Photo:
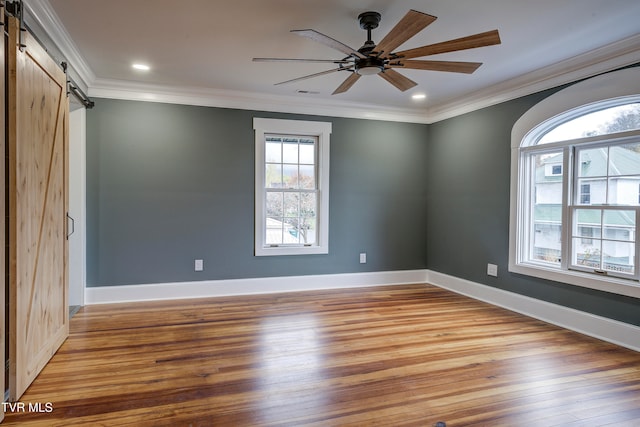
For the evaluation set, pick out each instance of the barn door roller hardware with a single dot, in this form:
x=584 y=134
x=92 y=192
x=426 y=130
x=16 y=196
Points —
x=16 y=9
x=73 y=89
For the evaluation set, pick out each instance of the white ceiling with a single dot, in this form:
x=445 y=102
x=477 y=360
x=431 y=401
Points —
x=204 y=48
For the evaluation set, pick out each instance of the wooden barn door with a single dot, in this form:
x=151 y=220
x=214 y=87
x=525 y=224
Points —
x=38 y=113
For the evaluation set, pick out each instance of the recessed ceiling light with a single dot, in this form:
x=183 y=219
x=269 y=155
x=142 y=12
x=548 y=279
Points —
x=141 y=67
x=419 y=96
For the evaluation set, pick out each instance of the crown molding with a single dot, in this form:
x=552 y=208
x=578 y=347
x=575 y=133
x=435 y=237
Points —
x=135 y=91
x=604 y=59
x=43 y=14
x=607 y=58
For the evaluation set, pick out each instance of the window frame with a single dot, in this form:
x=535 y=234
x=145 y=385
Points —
x=298 y=128
x=609 y=89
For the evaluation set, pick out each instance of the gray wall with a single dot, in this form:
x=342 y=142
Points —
x=170 y=183
x=468 y=179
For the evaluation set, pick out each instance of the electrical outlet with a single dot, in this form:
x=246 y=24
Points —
x=492 y=270
x=363 y=258
x=199 y=265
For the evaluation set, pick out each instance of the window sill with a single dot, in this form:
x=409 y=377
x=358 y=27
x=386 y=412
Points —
x=613 y=285
x=291 y=250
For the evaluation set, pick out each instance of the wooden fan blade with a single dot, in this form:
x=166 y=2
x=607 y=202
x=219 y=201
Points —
x=322 y=73
x=328 y=41
x=330 y=61
x=412 y=23
x=470 y=42
x=346 y=85
x=448 y=66
x=398 y=80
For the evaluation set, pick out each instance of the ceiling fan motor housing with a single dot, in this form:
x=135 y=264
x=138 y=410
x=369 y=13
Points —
x=369 y=66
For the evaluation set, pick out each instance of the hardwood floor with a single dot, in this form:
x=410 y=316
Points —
x=389 y=356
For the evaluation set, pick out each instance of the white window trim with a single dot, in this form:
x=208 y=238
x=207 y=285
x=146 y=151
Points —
x=614 y=86
x=321 y=130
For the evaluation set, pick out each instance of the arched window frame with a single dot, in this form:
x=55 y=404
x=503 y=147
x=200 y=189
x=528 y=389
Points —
x=611 y=89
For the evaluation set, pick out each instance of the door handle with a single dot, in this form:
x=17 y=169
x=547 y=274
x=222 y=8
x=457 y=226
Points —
x=73 y=225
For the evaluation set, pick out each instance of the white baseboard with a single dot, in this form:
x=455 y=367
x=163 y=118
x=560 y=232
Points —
x=619 y=333
x=609 y=330
x=264 y=285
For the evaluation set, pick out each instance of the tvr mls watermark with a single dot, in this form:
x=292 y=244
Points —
x=40 y=407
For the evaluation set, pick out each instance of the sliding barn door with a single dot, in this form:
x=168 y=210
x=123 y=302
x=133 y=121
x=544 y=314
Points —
x=38 y=112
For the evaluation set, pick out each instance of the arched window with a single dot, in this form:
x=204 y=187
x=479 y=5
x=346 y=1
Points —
x=575 y=201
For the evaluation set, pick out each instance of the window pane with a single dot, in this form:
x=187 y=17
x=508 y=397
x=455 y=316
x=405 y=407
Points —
x=274 y=229
x=624 y=160
x=307 y=153
x=308 y=235
x=586 y=238
x=290 y=176
x=291 y=231
x=273 y=176
x=546 y=242
x=618 y=256
x=307 y=178
x=274 y=204
x=302 y=229
x=273 y=152
x=546 y=245
x=587 y=218
x=603 y=122
x=624 y=191
x=592 y=162
x=586 y=254
x=291 y=205
x=298 y=231
x=290 y=151
x=308 y=205
x=624 y=172
x=619 y=225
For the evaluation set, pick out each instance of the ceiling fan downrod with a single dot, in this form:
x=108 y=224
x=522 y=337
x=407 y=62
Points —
x=371 y=64
x=369 y=21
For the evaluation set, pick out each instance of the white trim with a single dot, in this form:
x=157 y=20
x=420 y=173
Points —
x=613 y=87
x=77 y=206
x=321 y=130
x=609 y=330
x=265 y=285
x=607 y=58
x=207 y=97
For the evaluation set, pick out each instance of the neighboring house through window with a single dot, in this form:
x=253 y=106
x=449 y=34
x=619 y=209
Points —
x=575 y=175
x=291 y=187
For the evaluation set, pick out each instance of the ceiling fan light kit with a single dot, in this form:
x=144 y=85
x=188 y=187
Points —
x=380 y=59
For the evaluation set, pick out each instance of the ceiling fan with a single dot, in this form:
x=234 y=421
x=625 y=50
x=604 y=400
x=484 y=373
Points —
x=381 y=59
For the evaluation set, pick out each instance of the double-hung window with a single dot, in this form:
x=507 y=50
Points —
x=575 y=204
x=291 y=187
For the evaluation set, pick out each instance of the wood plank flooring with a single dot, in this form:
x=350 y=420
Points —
x=388 y=356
